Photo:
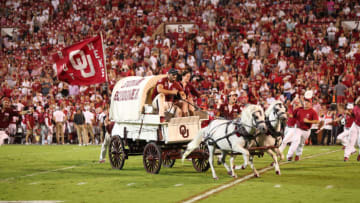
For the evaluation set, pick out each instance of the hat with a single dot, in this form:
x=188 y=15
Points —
x=232 y=93
x=350 y=106
x=173 y=71
x=308 y=94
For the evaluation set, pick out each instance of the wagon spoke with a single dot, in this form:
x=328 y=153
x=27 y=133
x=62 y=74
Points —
x=152 y=158
x=116 y=152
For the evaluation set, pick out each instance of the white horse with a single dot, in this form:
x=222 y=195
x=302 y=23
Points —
x=222 y=134
x=275 y=115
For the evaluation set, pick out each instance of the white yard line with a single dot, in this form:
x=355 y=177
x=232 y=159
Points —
x=37 y=173
x=247 y=177
x=33 y=201
x=50 y=152
x=44 y=172
x=81 y=183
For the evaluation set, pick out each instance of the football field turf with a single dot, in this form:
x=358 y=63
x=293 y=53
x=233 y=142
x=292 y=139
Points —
x=71 y=173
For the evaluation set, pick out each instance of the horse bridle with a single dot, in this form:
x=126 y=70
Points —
x=255 y=119
x=276 y=112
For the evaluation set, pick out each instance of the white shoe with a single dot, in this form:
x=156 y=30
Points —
x=80 y=144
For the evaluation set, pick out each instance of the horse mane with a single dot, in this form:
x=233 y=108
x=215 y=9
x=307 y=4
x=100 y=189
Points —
x=248 y=110
x=270 y=108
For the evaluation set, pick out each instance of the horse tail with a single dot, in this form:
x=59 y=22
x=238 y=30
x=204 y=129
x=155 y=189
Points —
x=195 y=143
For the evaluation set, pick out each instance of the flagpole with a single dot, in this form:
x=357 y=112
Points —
x=106 y=74
x=103 y=47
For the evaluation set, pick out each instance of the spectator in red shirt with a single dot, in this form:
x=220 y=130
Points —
x=30 y=124
x=230 y=110
x=6 y=115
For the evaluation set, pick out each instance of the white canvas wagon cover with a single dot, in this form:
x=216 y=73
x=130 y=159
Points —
x=129 y=95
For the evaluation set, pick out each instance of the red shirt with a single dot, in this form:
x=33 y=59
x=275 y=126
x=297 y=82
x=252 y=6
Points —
x=190 y=90
x=6 y=117
x=41 y=118
x=167 y=86
x=227 y=114
x=291 y=121
x=356 y=112
x=300 y=114
x=29 y=121
x=349 y=121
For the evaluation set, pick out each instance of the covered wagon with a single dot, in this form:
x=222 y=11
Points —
x=138 y=129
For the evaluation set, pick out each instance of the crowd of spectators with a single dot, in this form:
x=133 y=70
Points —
x=263 y=50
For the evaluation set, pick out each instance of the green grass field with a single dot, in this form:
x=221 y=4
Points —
x=71 y=173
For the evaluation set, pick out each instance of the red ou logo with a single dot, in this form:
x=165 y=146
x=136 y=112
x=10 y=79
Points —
x=183 y=131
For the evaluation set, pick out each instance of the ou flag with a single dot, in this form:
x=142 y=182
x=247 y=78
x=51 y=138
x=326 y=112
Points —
x=82 y=63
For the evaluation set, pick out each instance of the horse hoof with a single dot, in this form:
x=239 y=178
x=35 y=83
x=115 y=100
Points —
x=229 y=173
x=256 y=175
x=216 y=178
x=277 y=172
x=234 y=176
x=272 y=164
x=243 y=167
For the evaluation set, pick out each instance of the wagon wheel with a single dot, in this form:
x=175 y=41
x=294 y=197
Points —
x=152 y=158
x=116 y=152
x=201 y=164
x=168 y=163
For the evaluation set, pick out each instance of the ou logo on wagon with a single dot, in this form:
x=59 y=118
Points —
x=184 y=132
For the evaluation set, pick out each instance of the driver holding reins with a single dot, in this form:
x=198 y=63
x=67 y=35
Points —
x=165 y=95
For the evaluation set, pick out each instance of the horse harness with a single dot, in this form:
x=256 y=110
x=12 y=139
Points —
x=239 y=131
x=275 y=134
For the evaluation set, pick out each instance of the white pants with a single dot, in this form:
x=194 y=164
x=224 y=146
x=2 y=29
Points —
x=353 y=136
x=3 y=137
x=344 y=137
x=162 y=105
x=288 y=136
x=298 y=142
x=104 y=146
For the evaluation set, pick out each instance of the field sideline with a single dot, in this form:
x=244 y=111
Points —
x=71 y=173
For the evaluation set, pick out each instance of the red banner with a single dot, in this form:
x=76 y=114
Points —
x=82 y=63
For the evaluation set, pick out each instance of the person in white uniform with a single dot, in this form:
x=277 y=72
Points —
x=348 y=120
x=354 y=132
